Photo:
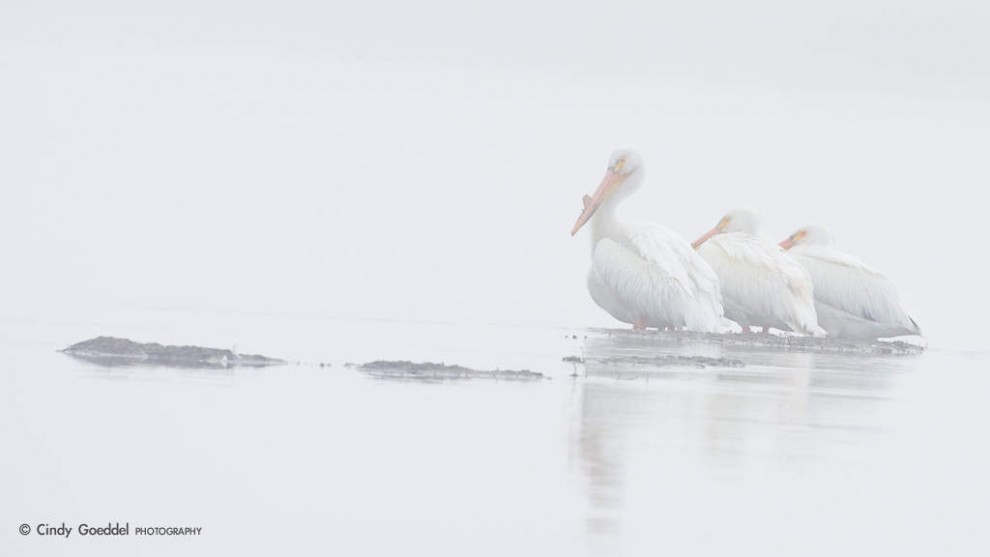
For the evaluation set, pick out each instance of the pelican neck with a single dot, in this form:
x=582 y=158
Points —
x=605 y=224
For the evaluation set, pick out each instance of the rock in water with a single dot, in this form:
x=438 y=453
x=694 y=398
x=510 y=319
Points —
x=428 y=371
x=121 y=351
x=763 y=341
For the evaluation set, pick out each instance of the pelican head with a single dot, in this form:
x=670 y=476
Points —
x=812 y=235
x=736 y=220
x=624 y=174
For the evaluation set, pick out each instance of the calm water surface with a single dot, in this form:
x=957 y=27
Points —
x=793 y=454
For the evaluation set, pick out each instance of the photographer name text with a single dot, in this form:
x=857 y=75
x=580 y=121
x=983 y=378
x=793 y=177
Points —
x=108 y=529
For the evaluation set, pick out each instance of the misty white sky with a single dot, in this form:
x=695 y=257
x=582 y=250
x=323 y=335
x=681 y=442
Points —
x=426 y=160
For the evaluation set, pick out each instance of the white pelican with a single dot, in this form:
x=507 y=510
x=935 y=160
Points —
x=644 y=274
x=761 y=285
x=852 y=299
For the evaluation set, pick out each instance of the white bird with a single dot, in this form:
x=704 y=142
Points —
x=644 y=274
x=852 y=299
x=761 y=285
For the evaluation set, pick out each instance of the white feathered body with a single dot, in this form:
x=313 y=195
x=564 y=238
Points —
x=761 y=285
x=648 y=273
x=853 y=300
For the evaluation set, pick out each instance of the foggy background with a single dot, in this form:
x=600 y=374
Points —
x=425 y=161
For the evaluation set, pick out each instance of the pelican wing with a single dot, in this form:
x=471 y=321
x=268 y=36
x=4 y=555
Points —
x=653 y=270
x=847 y=284
x=760 y=278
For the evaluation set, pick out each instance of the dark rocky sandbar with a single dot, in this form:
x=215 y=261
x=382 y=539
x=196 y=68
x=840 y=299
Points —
x=428 y=371
x=660 y=360
x=758 y=341
x=121 y=351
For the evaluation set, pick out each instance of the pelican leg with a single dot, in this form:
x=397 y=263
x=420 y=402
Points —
x=746 y=329
x=640 y=324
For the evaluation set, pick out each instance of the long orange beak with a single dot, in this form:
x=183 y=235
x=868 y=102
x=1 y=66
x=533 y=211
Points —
x=610 y=182
x=697 y=243
x=787 y=244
